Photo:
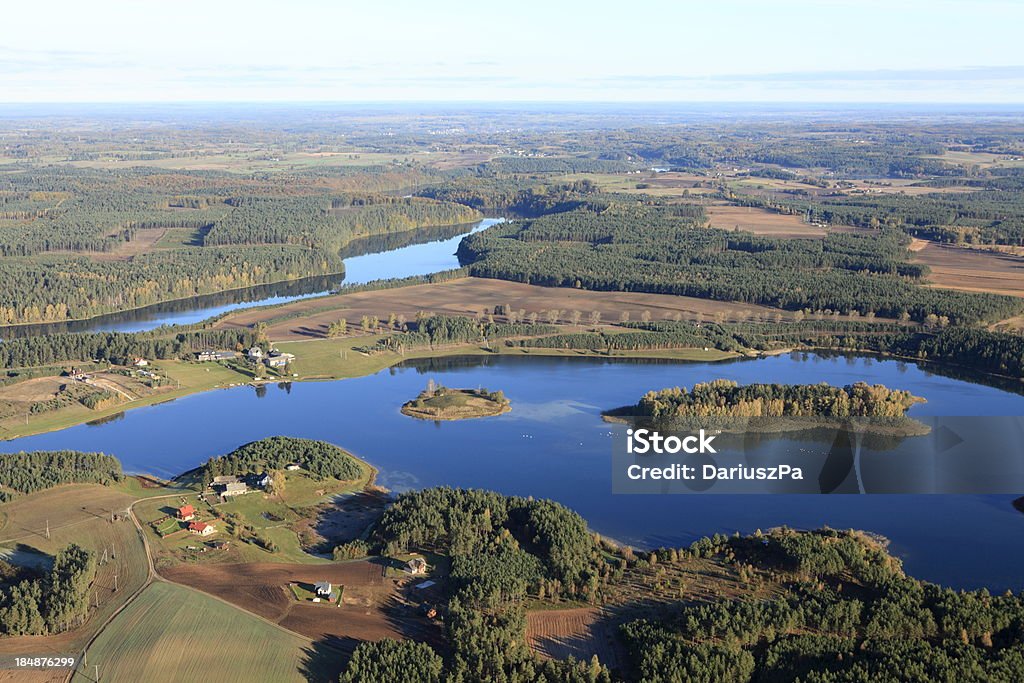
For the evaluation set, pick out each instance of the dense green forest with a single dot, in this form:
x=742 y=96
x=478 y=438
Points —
x=847 y=613
x=27 y=472
x=117 y=347
x=434 y=330
x=53 y=288
x=523 y=196
x=55 y=602
x=328 y=224
x=814 y=606
x=635 y=247
x=727 y=398
x=319 y=458
x=991 y=217
x=394 y=661
x=502 y=548
x=70 y=235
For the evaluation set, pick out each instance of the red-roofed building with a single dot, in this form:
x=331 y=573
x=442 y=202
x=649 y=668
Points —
x=201 y=528
x=186 y=513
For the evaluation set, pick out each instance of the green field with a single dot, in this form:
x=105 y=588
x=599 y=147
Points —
x=173 y=633
x=272 y=516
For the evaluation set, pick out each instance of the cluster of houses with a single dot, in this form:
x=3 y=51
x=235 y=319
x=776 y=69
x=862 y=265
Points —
x=274 y=359
x=230 y=485
x=187 y=513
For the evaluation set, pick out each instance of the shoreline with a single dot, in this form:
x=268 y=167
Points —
x=375 y=365
x=371 y=364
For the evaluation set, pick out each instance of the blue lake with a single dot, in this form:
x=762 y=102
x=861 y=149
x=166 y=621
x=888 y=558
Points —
x=554 y=444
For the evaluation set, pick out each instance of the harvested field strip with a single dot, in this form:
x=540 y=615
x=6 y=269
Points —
x=469 y=296
x=972 y=270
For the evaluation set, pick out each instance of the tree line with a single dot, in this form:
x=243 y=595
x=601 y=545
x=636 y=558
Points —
x=729 y=399
x=647 y=249
x=55 y=602
x=26 y=472
x=320 y=459
x=117 y=347
x=502 y=548
x=329 y=223
x=847 y=613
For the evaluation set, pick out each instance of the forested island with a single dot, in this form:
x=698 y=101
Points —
x=438 y=402
x=726 y=398
x=731 y=406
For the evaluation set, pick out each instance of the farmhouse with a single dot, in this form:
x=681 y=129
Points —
x=234 y=488
x=209 y=354
x=233 y=485
x=140 y=362
x=276 y=359
x=323 y=589
x=255 y=354
x=201 y=528
x=186 y=513
x=416 y=566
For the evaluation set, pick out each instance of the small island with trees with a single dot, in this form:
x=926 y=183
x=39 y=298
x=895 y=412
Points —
x=775 y=407
x=438 y=402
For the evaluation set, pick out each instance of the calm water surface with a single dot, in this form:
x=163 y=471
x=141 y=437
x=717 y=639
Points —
x=553 y=444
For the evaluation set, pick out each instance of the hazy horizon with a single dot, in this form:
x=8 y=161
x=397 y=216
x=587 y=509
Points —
x=736 y=51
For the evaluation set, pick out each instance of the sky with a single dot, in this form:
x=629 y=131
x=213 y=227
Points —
x=916 y=51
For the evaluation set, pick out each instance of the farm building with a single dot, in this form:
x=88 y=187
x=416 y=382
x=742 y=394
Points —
x=140 y=362
x=201 y=528
x=209 y=354
x=293 y=466
x=234 y=488
x=262 y=480
x=276 y=359
x=186 y=513
x=255 y=354
x=323 y=589
x=416 y=566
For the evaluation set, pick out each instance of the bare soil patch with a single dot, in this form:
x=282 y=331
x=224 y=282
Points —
x=32 y=390
x=761 y=222
x=581 y=633
x=341 y=520
x=972 y=270
x=145 y=241
x=371 y=607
